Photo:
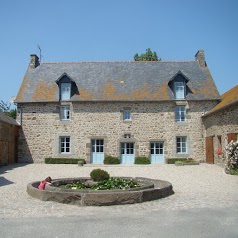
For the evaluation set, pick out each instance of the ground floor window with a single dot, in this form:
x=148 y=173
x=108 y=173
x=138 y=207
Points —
x=64 y=144
x=181 y=142
x=97 y=145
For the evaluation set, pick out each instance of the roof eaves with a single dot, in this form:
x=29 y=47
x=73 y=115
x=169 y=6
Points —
x=220 y=109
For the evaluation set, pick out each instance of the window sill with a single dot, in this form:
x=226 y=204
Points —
x=129 y=120
x=181 y=123
x=65 y=121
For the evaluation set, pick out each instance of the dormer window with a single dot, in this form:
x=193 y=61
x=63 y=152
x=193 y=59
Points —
x=67 y=87
x=179 y=90
x=65 y=91
x=178 y=85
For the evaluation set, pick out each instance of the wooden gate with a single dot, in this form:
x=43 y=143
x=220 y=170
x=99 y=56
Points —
x=209 y=150
x=231 y=136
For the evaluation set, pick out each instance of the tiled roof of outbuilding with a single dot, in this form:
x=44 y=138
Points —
x=7 y=119
x=117 y=81
x=228 y=98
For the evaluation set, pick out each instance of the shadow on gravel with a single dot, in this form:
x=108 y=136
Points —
x=6 y=169
x=4 y=181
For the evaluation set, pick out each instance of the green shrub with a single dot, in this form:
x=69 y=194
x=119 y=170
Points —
x=115 y=183
x=231 y=171
x=111 y=160
x=99 y=175
x=173 y=160
x=63 y=161
x=179 y=162
x=142 y=160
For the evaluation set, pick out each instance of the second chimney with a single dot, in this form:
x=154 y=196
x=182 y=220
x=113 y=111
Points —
x=201 y=58
x=34 y=61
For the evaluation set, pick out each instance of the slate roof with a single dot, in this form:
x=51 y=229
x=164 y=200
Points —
x=7 y=119
x=228 y=98
x=117 y=81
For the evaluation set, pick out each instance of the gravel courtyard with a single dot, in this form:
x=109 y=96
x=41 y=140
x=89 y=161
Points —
x=198 y=186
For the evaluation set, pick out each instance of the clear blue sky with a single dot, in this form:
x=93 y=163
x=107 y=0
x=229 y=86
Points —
x=111 y=30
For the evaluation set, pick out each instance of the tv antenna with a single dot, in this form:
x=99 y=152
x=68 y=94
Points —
x=40 y=52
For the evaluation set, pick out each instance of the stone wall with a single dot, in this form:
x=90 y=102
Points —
x=151 y=121
x=220 y=124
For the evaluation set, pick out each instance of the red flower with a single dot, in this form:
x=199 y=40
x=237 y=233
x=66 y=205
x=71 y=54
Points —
x=219 y=151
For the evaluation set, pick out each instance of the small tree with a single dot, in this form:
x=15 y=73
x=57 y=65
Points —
x=148 y=56
x=5 y=108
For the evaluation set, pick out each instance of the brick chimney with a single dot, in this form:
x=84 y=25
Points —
x=201 y=58
x=34 y=61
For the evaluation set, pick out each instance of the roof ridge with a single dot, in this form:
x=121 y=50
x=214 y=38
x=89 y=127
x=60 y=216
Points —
x=129 y=61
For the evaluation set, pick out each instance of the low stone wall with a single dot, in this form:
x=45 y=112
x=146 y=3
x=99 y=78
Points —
x=160 y=189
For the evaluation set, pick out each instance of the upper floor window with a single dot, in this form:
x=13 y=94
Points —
x=181 y=142
x=65 y=112
x=126 y=115
x=179 y=90
x=65 y=91
x=180 y=113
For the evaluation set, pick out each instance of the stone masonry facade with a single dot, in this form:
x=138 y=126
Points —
x=150 y=122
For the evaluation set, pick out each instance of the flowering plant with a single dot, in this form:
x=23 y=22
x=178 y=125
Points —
x=232 y=152
x=219 y=151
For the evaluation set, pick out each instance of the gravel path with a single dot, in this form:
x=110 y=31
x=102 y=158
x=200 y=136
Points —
x=194 y=186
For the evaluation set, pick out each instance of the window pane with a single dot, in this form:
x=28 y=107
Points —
x=181 y=144
x=127 y=115
x=179 y=90
x=180 y=113
x=65 y=91
x=65 y=144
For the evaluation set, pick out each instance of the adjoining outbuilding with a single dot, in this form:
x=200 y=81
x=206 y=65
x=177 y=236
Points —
x=221 y=126
x=9 y=133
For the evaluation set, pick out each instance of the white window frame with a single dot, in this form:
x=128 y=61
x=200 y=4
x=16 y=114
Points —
x=65 y=90
x=65 y=112
x=64 y=144
x=181 y=145
x=127 y=115
x=179 y=90
x=180 y=114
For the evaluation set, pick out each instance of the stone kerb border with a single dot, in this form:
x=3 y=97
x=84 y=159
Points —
x=152 y=190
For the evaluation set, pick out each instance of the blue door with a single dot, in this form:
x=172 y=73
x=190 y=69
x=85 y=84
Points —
x=127 y=153
x=97 y=151
x=157 y=152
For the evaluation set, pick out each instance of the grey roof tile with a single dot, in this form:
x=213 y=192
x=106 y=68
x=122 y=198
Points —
x=117 y=81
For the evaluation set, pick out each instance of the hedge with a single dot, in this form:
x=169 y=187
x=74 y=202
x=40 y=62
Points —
x=173 y=160
x=63 y=161
x=142 y=160
x=111 y=160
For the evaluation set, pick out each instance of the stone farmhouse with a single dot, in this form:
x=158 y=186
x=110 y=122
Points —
x=221 y=125
x=91 y=110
